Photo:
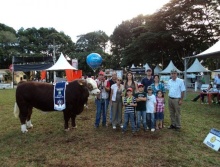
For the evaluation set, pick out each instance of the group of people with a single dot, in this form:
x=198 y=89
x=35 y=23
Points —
x=210 y=88
x=143 y=103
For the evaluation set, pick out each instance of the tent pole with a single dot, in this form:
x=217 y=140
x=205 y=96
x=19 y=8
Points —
x=13 y=72
x=54 y=61
x=185 y=79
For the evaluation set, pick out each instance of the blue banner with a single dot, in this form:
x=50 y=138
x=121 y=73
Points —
x=59 y=96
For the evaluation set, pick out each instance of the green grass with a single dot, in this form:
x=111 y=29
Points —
x=48 y=145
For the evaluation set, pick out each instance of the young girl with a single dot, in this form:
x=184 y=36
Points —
x=129 y=114
x=159 y=110
x=151 y=108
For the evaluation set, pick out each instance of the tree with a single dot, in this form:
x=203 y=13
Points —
x=177 y=30
x=8 y=41
x=92 y=41
x=123 y=36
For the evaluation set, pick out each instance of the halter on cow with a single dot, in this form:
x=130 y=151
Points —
x=40 y=95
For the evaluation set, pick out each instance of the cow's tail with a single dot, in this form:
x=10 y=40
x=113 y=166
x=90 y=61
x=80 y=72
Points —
x=16 y=110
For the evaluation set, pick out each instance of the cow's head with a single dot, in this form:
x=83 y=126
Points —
x=92 y=86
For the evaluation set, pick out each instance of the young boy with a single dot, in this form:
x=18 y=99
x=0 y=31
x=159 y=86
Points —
x=141 y=98
x=129 y=114
x=151 y=108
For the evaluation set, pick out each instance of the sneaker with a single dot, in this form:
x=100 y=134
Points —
x=95 y=126
x=121 y=126
x=152 y=130
x=171 y=127
x=178 y=128
x=114 y=127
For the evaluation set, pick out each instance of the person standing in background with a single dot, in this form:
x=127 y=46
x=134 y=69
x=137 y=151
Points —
x=130 y=83
x=157 y=85
x=159 y=116
x=116 y=103
x=176 y=89
x=148 y=80
x=102 y=99
x=129 y=113
x=112 y=81
x=151 y=109
x=141 y=98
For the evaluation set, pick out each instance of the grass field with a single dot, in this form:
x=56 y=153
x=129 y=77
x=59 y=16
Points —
x=47 y=144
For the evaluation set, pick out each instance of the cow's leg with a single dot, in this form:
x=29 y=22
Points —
x=66 y=119
x=23 y=117
x=73 y=120
x=29 y=124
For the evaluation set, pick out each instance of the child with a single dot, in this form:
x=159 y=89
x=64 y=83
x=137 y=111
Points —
x=141 y=98
x=129 y=114
x=159 y=110
x=151 y=108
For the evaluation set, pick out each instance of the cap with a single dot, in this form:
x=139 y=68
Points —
x=173 y=71
x=130 y=89
x=140 y=85
x=149 y=88
x=101 y=73
x=148 y=69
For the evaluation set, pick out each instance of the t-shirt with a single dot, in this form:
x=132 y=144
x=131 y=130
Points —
x=147 y=82
x=141 y=105
x=128 y=108
x=151 y=100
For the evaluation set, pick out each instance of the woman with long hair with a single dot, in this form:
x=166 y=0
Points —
x=157 y=85
x=130 y=83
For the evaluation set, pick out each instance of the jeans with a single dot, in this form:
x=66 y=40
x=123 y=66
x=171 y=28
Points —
x=127 y=117
x=141 y=115
x=101 y=110
x=150 y=120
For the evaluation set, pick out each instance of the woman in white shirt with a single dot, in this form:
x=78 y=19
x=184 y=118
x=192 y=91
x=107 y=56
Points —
x=117 y=103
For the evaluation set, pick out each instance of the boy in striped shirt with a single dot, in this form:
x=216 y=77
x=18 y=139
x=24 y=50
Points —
x=129 y=113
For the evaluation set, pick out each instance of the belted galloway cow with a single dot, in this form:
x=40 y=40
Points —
x=40 y=95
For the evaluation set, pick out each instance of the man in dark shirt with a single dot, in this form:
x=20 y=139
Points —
x=148 y=80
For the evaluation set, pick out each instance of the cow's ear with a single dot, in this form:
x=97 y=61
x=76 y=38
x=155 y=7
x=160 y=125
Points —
x=82 y=81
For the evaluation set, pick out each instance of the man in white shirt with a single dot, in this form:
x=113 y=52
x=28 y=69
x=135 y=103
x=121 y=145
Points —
x=176 y=89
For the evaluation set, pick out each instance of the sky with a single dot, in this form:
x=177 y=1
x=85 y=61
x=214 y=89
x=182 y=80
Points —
x=74 y=17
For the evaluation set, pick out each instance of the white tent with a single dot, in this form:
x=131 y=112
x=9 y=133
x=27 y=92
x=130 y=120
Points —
x=146 y=66
x=133 y=66
x=157 y=70
x=61 y=64
x=196 y=67
x=170 y=67
x=218 y=70
x=213 y=51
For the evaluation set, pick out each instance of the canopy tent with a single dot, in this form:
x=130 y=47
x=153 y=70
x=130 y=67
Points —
x=61 y=64
x=157 y=70
x=132 y=66
x=213 y=51
x=218 y=70
x=170 y=67
x=196 y=67
x=146 y=66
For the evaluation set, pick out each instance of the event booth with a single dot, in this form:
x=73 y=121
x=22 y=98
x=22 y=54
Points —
x=44 y=65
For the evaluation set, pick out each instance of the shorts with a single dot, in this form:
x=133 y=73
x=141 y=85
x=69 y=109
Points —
x=159 y=116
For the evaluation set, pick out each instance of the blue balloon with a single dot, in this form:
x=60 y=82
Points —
x=94 y=60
